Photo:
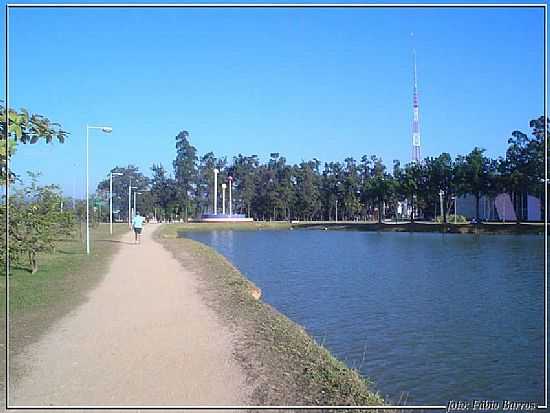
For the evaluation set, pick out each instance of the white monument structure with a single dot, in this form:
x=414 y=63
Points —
x=223 y=217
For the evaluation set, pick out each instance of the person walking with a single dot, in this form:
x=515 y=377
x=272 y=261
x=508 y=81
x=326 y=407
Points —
x=137 y=224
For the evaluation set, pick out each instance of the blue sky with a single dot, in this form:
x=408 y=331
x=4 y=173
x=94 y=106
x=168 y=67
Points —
x=324 y=83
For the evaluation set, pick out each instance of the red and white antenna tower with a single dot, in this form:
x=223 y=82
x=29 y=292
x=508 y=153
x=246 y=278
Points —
x=416 y=117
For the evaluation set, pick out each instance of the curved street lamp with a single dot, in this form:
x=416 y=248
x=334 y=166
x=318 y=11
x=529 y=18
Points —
x=130 y=215
x=111 y=200
x=230 y=179
x=216 y=172
x=223 y=197
x=106 y=129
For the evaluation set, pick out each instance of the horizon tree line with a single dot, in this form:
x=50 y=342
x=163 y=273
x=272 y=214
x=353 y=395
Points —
x=363 y=189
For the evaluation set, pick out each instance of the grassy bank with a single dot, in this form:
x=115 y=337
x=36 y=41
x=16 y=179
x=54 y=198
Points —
x=284 y=365
x=171 y=230
x=61 y=283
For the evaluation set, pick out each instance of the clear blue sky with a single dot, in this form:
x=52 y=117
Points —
x=324 y=83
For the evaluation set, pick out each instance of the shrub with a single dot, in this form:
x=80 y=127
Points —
x=460 y=219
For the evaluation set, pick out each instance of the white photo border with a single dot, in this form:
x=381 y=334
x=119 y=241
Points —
x=9 y=6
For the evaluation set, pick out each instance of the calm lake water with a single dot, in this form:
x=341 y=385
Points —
x=439 y=317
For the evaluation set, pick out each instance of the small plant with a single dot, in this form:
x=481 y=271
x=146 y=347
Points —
x=460 y=219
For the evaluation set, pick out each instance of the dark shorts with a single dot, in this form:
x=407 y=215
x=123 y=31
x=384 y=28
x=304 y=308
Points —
x=137 y=230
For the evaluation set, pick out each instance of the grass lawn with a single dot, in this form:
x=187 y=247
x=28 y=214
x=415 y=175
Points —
x=60 y=284
x=61 y=273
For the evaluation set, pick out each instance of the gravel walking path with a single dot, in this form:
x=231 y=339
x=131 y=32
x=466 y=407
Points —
x=145 y=337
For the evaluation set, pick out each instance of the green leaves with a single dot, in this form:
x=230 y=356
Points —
x=26 y=128
x=36 y=221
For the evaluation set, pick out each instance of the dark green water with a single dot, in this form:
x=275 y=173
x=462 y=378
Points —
x=439 y=317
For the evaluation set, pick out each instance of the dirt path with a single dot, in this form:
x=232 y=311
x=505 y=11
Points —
x=144 y=337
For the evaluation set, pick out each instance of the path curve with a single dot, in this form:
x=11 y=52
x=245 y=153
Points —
x=144 y=338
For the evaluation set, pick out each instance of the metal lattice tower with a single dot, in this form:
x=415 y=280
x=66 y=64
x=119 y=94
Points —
x=416 y=118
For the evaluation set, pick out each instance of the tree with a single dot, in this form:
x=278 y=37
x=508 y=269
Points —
x=130 y=176
x=283 y=183
x=409 y=180
x=331 y=188
x=36 y=222
x=475 y=175
x=440 y=178
x=205 y=182
x=24 y=128
x=522 y=170
x=308 y=196
x=351 y=189
x=163 y=192
x=379 y=187
x=185 y=171
x=244 y=170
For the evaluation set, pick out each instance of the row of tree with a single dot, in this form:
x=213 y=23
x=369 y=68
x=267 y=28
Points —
x=275 y=190
x=348 y=190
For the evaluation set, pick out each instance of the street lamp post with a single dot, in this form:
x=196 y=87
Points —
x=106 y=129
x=230 y=179
x=74 y=188
x=130 y=187
x=216 y=172
x=223 y=198
x=441 y=203
x=454 y=199
x=111 y=200
x=138 y=193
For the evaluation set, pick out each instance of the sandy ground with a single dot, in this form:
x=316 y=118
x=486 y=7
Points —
x=144 y=338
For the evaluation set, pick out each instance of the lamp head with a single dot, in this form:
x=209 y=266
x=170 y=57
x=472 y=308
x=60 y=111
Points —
x=107 y=129
x=216 y=171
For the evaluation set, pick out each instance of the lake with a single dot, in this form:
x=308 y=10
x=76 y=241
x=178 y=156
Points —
x=433 y=317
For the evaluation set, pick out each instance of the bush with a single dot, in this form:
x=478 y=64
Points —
x=36 y=221
x=460 y=219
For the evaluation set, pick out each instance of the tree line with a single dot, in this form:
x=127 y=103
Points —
x=363 y=189
x=273 y=190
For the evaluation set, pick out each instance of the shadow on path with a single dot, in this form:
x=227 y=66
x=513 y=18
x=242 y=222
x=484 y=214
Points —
x=112 y=240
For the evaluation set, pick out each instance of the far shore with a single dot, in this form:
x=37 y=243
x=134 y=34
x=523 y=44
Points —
x=422 y=226
x=536 y=228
